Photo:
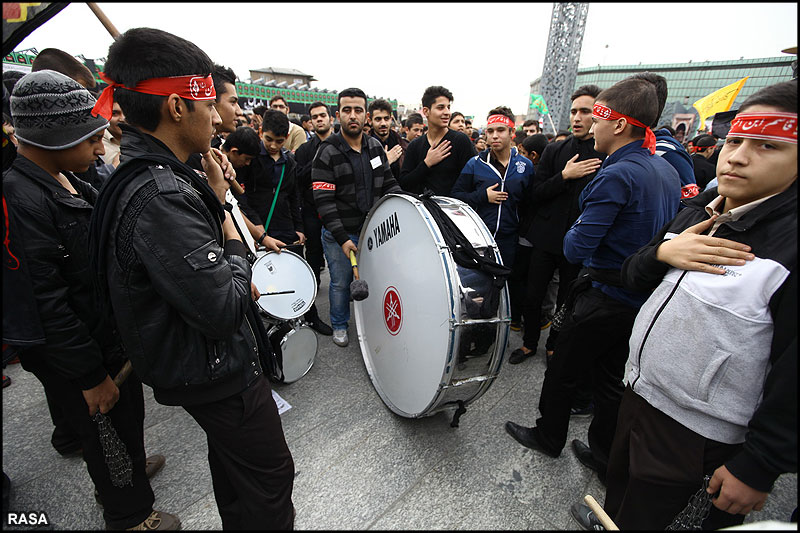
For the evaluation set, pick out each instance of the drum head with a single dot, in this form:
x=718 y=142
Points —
x=404 y=323
x=286 y=271
x=298 y=348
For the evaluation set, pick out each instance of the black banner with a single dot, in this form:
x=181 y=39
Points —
x=21 y=18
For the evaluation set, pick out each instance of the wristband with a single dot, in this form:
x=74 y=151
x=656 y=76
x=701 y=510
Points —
x=261 y=239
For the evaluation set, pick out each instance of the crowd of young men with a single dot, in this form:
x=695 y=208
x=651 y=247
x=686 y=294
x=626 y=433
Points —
x=695 y=293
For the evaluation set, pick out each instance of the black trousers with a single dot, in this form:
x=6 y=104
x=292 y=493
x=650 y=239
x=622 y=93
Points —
x=540 y=271
x=251 y=467
x=656 y=465
x=592 y=348
x=122 y=507
x=313 y=233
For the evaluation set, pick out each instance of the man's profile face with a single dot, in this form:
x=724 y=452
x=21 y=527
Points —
x=81 y=156
x=280 y=105
x=352 y=115
x=414 y=131
x=200 y=125
x=228 y=109
x=580 y=113
x=381 y=122
x=238 y=159
x=438 y=113
x=321 y=120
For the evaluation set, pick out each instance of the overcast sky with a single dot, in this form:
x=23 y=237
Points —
x=485 y=53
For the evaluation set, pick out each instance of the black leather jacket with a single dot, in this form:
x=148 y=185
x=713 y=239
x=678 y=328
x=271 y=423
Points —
x=50 y=227
x=178 y=297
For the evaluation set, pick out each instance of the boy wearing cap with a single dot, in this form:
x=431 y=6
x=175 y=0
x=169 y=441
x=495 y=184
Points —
x=716 y=394
x=633 y=195
x=703 y=149
x=48 y=214
x=172 y=266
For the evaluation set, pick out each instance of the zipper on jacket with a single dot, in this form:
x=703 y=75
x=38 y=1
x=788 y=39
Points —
x=653 y=323
x=255 y=342
x=502 y=187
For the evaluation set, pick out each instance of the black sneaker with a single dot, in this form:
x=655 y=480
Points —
x=585 y=517
x=545 y=323
x=515 y=326
x=582 y=412
x=518 y=356
x=321 y=327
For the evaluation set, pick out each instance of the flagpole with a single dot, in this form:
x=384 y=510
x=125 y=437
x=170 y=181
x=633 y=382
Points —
x=104 y=19
x=555 y=131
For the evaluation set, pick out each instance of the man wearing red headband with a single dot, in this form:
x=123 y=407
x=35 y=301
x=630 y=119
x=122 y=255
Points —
x=633 y=196
x=712 y=376
x=172 y=267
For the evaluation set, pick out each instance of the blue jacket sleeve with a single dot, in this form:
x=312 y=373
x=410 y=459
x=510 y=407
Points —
x=464 y=188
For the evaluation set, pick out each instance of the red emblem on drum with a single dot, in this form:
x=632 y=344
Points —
x=392 y=311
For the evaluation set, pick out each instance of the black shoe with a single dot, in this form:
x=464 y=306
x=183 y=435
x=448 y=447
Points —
x=515 y=325
x=585 y=517
x=518 y=356
x=321 y=327
x=582 y=412
x=526 y=437
x=587 y=459
x=545 y=322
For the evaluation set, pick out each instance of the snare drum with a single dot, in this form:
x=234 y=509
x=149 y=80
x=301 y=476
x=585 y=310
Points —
x=286 y=282
x=296 y=345
x=424 y=346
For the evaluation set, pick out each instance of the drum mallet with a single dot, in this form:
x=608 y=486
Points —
x=358 y=288
x=600 y=513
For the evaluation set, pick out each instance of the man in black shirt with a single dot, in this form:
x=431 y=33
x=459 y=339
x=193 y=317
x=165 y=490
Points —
x=704 y=170
x=380 y=115
x=434 y=161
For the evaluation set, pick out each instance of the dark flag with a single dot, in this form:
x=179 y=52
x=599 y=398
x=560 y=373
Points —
x=21 y=18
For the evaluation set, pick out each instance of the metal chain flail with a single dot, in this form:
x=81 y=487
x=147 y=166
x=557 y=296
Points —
x=696 y=511
x=115 y=453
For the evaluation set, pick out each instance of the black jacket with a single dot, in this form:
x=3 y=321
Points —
x=180 y=300
x=704 y=170
x=304 y=157
x=51 y=226
x=553 y=201
x=260 y=183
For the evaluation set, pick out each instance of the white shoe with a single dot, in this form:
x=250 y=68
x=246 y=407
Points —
x=340 y=337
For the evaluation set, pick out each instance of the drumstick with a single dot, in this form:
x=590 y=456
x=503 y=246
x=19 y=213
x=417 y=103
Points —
x=358 y=288
x=600 y=513
x=234 y=184
x=274 y=293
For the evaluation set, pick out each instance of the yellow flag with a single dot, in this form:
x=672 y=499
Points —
x=718 y=101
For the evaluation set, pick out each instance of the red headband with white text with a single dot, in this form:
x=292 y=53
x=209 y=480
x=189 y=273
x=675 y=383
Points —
x=500 y=119
x=602 y=112
x=189 y=87
x=779 y=127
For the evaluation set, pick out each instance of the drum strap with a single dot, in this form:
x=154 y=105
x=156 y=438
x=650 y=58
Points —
x=274 y=199
x=466 y=256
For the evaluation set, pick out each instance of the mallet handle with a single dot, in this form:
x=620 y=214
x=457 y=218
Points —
x=600 y=513
x=234 y=184
x=354 y=264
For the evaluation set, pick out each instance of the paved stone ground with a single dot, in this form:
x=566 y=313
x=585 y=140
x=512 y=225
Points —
x=358 y=466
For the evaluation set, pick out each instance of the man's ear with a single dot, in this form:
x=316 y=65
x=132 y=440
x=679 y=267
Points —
x=426 y=111
x=175 y=107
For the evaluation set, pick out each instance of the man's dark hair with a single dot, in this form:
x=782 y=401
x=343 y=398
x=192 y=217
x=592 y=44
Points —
x=502 y=110
x=530 y=122
x=586 y=90
x=351 y=92
x=704 y=141
x=60 y=61
x=432 y=93
x=305 y=118
x=635 y=98
x=319 y=104
x=535 y=143
x=562 y=133
x=245 y=139
x=414 y=118
x=139 y=54
x=660 y=85
x=276 y=122
x=259 y=110
x=455 y=114
x=10 y=78
x=222 y=75
x=467 y=121
x=381 y=105
x=667 y=127
x=276 y=98
x=781 y=95
x=520 y=136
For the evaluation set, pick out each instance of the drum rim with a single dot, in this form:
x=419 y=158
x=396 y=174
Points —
x=449 y=269
x=308 y=267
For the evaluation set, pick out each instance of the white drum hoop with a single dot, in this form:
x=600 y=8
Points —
x=283 y=272
x=455 y=368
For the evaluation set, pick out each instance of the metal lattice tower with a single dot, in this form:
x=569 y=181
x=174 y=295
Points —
x=567 y=25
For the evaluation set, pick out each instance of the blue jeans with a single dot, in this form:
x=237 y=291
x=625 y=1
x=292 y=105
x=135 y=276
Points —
x=341 y=272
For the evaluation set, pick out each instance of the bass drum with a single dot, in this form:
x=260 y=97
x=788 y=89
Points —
x=295 y=344
x=424 y=345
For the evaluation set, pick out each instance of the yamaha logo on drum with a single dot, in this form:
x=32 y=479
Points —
x=388 y=229
x=392 y=311
x=369 y=243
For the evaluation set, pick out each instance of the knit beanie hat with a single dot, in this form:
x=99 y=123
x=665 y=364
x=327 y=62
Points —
x=53 y=111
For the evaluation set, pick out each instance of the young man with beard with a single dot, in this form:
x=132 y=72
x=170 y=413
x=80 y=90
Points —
x=380 y=114
x=564 y=169
x=434 y=161
x=322 y=123
x=173 y=269
x=631 y=198
x=531 y=127
x=350 y=173
x=496 y=182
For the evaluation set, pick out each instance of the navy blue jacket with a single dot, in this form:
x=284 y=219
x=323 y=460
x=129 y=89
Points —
x=479 y=174
x=676 y=155
x=632 y=197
